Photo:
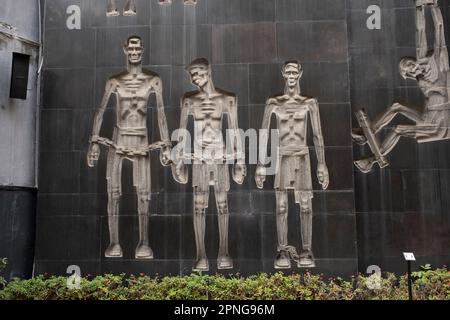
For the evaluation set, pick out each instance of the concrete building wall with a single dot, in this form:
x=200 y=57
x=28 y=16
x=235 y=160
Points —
x=23 y=15
x=18 y=117
x=19 y=33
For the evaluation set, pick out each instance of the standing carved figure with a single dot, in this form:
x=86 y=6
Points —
x=132 y=89
x=292 y=110
x=208 y=106
x=431 y=71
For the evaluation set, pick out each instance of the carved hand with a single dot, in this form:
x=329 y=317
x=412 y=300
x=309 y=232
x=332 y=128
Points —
x=180 y=172
x=260 y=176
x=323 y=176
x=239 y=173
x=165 y=156
x=93 y=154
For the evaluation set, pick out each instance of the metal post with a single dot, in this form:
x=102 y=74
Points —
x=409 y=281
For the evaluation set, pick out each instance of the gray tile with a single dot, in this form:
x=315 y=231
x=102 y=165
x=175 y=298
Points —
x=244 y=43
x=59 y=172
x=68 y=88
x=312 y=41
x=291 y=10
x=56 y=16
x=237 y=11
x=69 y=49
x=191 y=42
x=68 y=238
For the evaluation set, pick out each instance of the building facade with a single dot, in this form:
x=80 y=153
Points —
x=349 y=62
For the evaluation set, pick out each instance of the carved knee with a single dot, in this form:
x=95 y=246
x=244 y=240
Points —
x=305 y=206
x=396 y=107
x=113 y=202
x=223 y=207
x=199 y=206
x=114 y=194
x=142 y=195
x=282 y=207
x=398 y=130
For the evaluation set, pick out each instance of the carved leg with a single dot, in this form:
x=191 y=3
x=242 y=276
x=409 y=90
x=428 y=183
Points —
x=223 y=261
x=384 y=119
x=114 y=250
x=365 y=165
x=143 y=250
x=130 y=8
x=200 y=205
x=306 y=219
x=111 y=9
x=409 y=131
x=282 y=261
x=389 y=114
x=143 y=187
x=113 y=176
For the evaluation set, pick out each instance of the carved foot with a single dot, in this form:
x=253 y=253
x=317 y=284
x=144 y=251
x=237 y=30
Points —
x=144 y=252
x=224 y=262
x=364 y=165
x=358 y=136
x=114 y=251
x=420 y=3
x=307 y=260
x=282 y=261
x=201 y=265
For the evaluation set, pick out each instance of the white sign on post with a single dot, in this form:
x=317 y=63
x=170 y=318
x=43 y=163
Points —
x=409 y=256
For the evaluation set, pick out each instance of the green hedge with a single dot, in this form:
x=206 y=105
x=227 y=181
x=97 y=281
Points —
x=3 y=263
x=428 y=284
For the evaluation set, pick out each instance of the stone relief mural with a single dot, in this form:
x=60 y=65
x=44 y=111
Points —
x=210 y=158
x=132 y=89
x=130 y=7
x=208 y=106
x=128 y=10
x=292 y=110
x=430 y=69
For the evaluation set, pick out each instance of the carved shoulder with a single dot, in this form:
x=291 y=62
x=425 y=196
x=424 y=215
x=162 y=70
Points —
x=190 y=95
x=272 y=101
x=187 y=100
x=154 y=80
x=226 y=93
x=231 y=99
x=312 y=102
x=112 y=83
x=150 y=73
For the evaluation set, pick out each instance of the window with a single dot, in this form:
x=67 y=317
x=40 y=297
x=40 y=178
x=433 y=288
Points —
x=19 y=76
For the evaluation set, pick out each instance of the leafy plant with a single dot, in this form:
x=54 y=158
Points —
x=3 y=263
x=428 y=284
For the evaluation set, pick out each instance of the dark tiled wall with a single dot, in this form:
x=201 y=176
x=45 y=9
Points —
x=345 y=66
x=17 y=231
x=404 y=207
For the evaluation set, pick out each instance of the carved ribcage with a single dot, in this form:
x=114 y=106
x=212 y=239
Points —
x=292 y=124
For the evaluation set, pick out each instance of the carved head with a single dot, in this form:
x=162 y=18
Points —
x=200 y=72
x=409 y=68
x=134 y=49
x=292 y=72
